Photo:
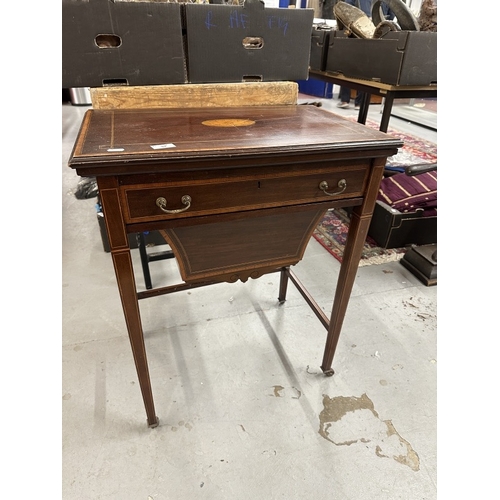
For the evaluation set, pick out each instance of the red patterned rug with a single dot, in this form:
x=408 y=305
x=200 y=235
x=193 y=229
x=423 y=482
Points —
x=331 y=232
x=414 y=150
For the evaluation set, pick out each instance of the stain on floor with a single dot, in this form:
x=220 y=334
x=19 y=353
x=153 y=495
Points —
x=345 y=421
x=277 y=390
x=292 y=392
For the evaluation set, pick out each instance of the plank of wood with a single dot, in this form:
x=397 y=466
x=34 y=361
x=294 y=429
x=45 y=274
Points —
x=195 y=95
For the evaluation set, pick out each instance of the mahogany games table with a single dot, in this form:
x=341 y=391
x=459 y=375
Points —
x=237 y=193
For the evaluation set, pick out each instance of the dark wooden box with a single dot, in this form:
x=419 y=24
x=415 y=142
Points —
x=391 y=228
x=233 y=43
x=121 y=43
x=400 y=58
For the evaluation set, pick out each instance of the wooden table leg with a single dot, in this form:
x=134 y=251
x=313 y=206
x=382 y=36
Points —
x=283 y=285
x=122 y=262
x=126 y=284
x=358 y=231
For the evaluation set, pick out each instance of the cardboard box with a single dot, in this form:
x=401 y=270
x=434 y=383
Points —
x=400 y=58
x=232 y=43
x=391 y=228
x=108 y=42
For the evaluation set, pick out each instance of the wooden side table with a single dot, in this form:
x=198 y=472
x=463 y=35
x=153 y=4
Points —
x=249 y=183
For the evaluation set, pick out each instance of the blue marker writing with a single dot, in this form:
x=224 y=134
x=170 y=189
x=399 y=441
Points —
x=208 y=21
x=277 y=22
x=238 y=20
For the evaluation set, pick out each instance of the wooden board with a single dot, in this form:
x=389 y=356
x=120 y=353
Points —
x=195 y=95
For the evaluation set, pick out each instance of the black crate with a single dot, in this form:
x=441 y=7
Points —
x=121 y=43
x=400 y=58
x=391 y=228
x=233 y=43
x=320 y=39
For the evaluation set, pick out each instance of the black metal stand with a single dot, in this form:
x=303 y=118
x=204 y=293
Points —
x=151 y=257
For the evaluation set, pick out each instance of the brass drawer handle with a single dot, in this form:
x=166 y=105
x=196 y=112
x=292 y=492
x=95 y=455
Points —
x=342 y=185
x=162 y=203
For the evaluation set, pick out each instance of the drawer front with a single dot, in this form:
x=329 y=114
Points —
x=222 y=195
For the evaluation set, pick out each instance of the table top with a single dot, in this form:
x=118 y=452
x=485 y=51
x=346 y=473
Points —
x=371 y=83
x=135 y=136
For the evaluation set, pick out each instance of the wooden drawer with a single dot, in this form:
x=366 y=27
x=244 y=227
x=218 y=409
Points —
x=227 y=194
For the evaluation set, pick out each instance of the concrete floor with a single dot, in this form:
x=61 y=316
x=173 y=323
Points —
x=245 y=412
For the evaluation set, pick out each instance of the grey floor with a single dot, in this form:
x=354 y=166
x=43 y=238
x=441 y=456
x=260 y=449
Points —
x=245 y=412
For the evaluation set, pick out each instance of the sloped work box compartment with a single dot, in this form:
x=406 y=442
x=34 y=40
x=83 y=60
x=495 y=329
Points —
x=232 y=43
x=121 y=43
x=400 y=58
x=391 y=228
